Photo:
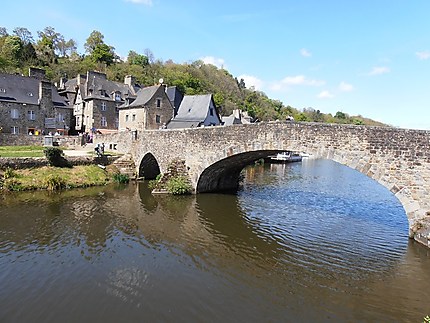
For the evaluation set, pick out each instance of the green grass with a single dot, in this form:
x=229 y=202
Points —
x=55 y=178
x=21 y=151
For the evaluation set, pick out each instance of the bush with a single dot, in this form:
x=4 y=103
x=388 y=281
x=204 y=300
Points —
x=178 y=186
x=9 y=173
x=55 y=183
x=121 y=178
x=12 y=184
x=56 y=158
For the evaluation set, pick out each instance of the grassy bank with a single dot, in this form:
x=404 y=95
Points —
x=21 y=151
x=54 y=178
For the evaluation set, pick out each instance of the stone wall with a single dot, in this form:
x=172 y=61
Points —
x=26 y=140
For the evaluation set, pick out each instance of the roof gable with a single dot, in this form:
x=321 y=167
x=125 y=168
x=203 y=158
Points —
x=194 y=107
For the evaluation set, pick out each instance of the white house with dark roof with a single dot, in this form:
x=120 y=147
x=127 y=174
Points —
x=196 y=111
x=96 y=100
x=152 y=109
x=32 y=105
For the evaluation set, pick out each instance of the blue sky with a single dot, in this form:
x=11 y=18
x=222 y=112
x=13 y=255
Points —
x=367 y=57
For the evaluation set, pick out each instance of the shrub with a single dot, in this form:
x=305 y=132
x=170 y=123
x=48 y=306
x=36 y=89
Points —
x=121 y=178
x=12 y=184
x=55 y=157
x=9 y=173
x=55 y=182
x=178 y=185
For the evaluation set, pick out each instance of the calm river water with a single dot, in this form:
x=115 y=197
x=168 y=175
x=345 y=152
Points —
x=309 y=242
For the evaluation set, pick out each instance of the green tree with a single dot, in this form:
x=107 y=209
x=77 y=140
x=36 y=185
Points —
x=93 y=40
x=137 y=59
x=11 y=50
x=103 y=53
x=3 y=32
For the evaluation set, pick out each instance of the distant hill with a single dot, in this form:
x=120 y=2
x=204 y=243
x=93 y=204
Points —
x=58 y=56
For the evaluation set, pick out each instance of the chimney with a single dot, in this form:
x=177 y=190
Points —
x=129 y=80
x=36 y=73
x=45 y=98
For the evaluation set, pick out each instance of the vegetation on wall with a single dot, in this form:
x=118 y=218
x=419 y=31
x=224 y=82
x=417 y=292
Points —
x=59 y=57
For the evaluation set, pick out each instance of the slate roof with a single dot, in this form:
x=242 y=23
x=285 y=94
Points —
x=177 y=124
x=23 y=89
x=175 y=97
x=194 y=108
x=143 y=96
x=97 y=81
x=230 y=120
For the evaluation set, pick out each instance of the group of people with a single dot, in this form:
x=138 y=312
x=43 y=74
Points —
x=100 y=149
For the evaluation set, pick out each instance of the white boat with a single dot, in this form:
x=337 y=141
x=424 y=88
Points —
x=284 y=157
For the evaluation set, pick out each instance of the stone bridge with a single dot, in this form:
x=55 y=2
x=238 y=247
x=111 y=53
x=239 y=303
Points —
x=399 y=159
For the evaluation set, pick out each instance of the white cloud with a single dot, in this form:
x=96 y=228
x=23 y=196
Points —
x=251 y=81
x=145 y=2
x=305 y=53
x=345 y=87
x=378 y=70
x=423 y=55
x=325 y=95
x=296 y=80
x=218 y=62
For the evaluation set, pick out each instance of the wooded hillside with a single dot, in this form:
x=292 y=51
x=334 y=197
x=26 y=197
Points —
x=59 y=57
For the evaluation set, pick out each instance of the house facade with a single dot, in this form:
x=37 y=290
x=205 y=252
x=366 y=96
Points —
x=96 y=100
x=152 y=109
x=196 y=111
x=32 y=105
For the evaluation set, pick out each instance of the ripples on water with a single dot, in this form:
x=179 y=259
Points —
x=314 y=241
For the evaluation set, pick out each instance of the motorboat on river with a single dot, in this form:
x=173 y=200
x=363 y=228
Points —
x=284 y=157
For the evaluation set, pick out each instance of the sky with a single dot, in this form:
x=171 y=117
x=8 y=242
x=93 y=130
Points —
x=360 y=57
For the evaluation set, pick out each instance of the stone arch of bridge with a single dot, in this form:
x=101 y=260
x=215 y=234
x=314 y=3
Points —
x=148 y=167
x=223 y=175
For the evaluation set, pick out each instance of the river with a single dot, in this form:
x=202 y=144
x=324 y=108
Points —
x=304 y=242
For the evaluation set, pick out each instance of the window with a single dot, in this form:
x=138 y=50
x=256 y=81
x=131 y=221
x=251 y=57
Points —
x=116 y=122
x=60 y=117
x=30 y=94
x=104 y=122
x=133 y=117
x=2 y=90
x=117 y=96
x=126 y=118
x=158 y=103
x=31 y=115
x=157 y=119
x=103 y=106
x=211 y=111
x=14 y=130
x=14 y=113
x=77 y=122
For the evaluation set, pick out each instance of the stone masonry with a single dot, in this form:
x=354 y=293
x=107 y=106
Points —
x=399 y=159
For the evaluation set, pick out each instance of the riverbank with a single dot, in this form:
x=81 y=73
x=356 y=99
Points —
x=55 y=178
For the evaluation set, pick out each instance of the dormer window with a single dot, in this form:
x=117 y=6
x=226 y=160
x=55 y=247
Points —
x=30 y=94
x=2 y=90
x=102 y=92
x=117 y=96
x=90 y=92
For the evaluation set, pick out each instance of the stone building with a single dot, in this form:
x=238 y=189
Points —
x=196 y=111
x=96 y=100
x=152 y=109
x=32 y=105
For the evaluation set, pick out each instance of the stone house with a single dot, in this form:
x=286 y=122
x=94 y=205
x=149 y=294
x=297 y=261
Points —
x=96 y=100
x=152 y=109
x=32 y=105
x=196 y=111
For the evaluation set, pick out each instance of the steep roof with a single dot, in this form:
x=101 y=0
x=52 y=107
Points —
x=96 y=82
x=144 y=95
x=194 y=108
x=176 y=124
x=23 y=89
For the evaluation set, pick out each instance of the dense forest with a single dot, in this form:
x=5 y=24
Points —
x=59 y=57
